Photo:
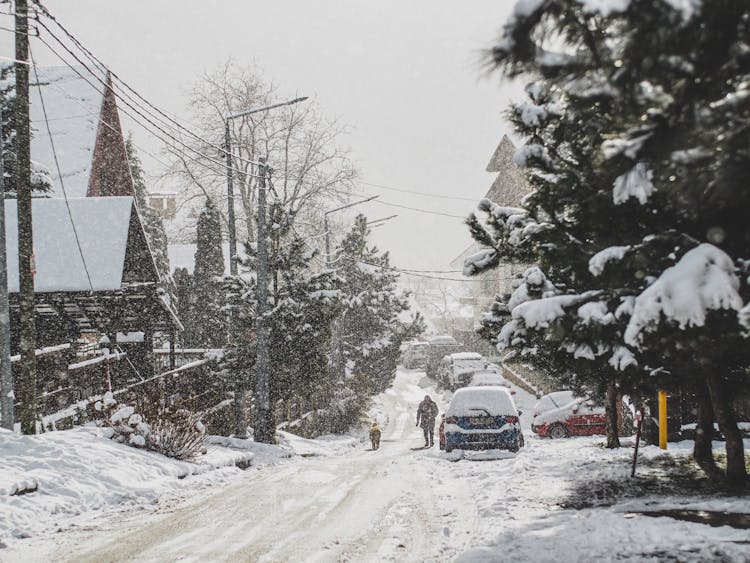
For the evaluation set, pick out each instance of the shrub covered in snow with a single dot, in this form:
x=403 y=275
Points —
x=121 y=423
x=179 y=435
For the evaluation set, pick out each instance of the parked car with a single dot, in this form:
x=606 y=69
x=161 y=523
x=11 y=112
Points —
x=441 y=432
x=561 y=414
x=415 y=355
x=482 y=418
x=490 y=377
x=439 y=346
x=456 y=370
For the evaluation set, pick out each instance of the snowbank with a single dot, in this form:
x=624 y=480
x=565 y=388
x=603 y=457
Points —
x=75 y=471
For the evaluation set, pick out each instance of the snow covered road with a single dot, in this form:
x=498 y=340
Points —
x=364 y=505
x=556 y=500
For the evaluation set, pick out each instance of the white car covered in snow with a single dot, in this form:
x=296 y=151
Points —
x=456 y=370
x=482 y=418
x=490 y=377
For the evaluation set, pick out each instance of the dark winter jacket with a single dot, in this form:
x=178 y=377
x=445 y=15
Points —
x=426 y=413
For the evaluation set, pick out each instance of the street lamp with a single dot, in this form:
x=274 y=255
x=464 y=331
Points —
x=230 y=188
x=325 y=224
x=262 y=385
x=379 y=222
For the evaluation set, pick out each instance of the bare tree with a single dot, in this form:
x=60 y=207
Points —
x=303 y=147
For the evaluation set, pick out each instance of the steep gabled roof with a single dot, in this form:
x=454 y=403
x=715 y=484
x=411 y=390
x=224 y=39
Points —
x=73 y=109
x=510 y=186
x=503 y=156
x=111 y=239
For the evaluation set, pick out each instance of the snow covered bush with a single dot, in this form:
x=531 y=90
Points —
x=120 y=422
x=179 y=436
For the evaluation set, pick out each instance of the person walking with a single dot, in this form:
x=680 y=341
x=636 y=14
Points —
x=426 y=414
x=375 y=435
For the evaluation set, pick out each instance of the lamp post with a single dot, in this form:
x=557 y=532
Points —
x=262 y=386
x=327 y=231
x=230 y=187
x=337 y=361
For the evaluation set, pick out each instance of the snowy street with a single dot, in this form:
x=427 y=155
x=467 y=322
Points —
x=334 y=502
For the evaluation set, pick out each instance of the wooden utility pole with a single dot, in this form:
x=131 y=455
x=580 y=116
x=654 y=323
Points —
x=6 y=374
x=264 y=427
x=27 y=327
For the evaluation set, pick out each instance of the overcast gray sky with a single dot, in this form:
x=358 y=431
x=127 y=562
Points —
x=405 y=75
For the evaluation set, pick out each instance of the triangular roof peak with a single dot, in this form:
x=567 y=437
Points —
x=503 y=155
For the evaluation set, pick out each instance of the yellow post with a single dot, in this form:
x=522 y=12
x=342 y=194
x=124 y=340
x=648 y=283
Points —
x=662 y=419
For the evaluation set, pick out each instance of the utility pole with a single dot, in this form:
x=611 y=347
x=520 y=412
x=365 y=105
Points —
x=6 y=375
x=27 y=324
x=263 y=425
x=230 y=203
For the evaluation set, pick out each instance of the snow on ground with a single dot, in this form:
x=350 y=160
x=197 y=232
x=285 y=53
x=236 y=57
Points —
x=74 y=472
x=337 y=500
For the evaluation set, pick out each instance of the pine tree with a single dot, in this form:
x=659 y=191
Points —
x=152 y=222
x=208 y=318
x=371 y=327
x=303 y=305
x=637 y=155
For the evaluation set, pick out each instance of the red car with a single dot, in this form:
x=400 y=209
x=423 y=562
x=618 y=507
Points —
x=561 y=414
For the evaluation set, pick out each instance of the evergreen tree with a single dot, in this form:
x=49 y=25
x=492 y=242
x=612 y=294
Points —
x=371 y=326
x=208 y=318
x=637 y=155
x=302 y=304
x=152 y=222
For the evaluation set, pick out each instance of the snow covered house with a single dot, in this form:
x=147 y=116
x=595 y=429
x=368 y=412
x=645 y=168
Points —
x=508 y=189
x=85 y=126
x=95 y=273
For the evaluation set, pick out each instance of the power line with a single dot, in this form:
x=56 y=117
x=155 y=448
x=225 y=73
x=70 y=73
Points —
x=95 y=60
x=59 y=173
x=418 y=209
x=426 y=194
x=135 y=109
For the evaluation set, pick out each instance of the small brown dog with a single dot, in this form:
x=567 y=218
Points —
x=375 y=435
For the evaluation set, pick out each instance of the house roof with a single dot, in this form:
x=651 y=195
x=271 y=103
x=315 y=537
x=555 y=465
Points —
x=503 y=155
x=102 y=225
x=73 y=108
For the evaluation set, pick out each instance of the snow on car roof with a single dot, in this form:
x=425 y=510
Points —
x=486 y=377
x=470 y=401
x=441 y=340
x=466 y=356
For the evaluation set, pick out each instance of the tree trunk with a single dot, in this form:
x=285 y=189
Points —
x=736 y=471
x=613 y=436
x=704 y=432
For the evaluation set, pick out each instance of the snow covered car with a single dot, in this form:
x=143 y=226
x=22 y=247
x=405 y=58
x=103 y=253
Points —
x=439 y=347
x=456 y=370
x=490 y=377
x=415 y=355
x=441 y=432
x=561 y=414
x=482 y=418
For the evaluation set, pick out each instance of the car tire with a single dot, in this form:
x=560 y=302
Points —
x=448 y=449
x=557 y=431
x=521 y=442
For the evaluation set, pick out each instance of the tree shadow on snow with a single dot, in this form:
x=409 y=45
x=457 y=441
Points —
x=660 y=476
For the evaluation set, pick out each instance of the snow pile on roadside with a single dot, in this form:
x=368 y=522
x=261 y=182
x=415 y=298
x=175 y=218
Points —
x=321 y=446
x=572 y=500
x=75 y=471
